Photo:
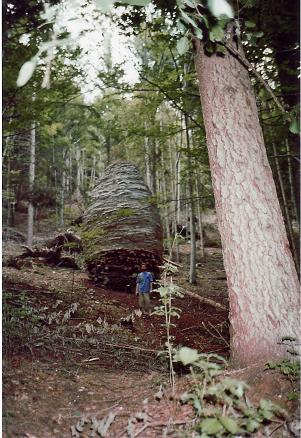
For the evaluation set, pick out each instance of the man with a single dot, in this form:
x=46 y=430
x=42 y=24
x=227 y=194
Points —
x=144 y=287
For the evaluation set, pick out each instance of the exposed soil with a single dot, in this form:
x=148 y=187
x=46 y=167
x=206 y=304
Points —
x=75 y=353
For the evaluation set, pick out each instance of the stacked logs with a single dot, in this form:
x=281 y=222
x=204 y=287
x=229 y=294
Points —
x=121 y=229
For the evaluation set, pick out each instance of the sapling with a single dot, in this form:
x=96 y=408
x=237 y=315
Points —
x=168 y=292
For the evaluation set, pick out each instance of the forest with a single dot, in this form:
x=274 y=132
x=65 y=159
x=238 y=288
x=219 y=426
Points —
x=151 y=218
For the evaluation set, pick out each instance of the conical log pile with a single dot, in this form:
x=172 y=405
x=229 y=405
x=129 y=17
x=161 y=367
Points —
x=121 y=228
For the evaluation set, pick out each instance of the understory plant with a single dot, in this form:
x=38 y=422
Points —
x=291 y=370
x=168 y=293
x=220 y=402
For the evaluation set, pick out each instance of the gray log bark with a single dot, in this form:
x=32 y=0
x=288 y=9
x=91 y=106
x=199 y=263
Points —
x=121 y=228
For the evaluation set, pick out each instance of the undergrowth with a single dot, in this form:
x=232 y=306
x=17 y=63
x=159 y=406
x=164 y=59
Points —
x=220 y=403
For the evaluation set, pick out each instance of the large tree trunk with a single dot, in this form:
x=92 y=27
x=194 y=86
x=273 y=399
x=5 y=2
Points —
x=121 y=228
x=261 y=275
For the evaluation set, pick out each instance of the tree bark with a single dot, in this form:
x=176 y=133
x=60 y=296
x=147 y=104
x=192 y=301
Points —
x=291 y=184
x=32 y=163
x=192 y=266
x=290 y=234
x=199 y=211
x=261 y=275
x=147 y=158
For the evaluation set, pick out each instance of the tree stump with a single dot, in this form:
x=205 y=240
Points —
x=121 y=229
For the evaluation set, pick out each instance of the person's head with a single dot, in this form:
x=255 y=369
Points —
x=143 y=267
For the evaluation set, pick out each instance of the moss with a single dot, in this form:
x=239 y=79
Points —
x=71 y=245
x=106 y=219
x=124 y=212
x=91 y=237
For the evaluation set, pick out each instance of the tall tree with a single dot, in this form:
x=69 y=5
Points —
x=262 y=279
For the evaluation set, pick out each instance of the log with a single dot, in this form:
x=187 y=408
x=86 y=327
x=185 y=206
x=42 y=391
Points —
x=67 y=241
x=121 y=228
x=48 y=256
x=206 y=300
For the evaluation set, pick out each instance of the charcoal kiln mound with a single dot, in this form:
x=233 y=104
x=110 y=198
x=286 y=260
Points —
x=121 y=229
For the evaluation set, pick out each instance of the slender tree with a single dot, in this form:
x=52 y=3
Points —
x=32 y=164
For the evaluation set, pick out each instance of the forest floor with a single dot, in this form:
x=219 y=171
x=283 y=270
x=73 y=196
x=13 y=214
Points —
x=71 y=359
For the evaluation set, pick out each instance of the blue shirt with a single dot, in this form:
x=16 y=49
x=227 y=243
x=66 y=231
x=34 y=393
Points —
x=144 y=280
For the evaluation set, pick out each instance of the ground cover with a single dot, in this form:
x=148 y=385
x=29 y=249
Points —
x=76 y=354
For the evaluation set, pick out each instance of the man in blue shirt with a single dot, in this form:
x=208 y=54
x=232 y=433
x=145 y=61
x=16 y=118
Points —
x=144 y=287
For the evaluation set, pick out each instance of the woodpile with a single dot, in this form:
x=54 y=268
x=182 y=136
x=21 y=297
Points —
x=121 y=229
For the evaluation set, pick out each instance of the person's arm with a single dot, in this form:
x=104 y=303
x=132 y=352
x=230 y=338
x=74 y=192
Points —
x=137 y=288
x=151 y=284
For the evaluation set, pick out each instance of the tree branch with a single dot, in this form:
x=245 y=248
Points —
x=173 y=101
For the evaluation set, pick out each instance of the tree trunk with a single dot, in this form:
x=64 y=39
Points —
x=32 y=163
x=285 y=207
x=77 y=194
x=165 y=209
x=200 y=222
x=261 y=275
x=92 y=177
x=62 y=200
x=192 y=267
x=291 y=184
x=147 y=158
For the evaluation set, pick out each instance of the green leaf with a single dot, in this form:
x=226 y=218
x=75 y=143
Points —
x=229 y=424
x=136 y=2
x=250 y=24
x=258 y=34
x=268 y=415
x=221 y=49
x=267 y=409
x=183 y=45
x=216 y=33
x=211 y=426
x=265 y=404
x=26 y=71
x=181 y=27
x=190 y=3
x=188 y=19
x=294 y=126
x=252 y=425
x=197 y=405
x=104 y=5
x=220 y=8
x=186 y=355
x=292 y=395
x=198 y=33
